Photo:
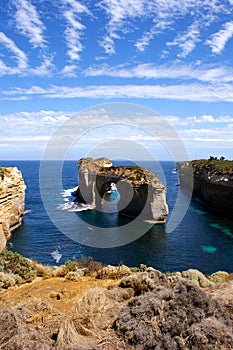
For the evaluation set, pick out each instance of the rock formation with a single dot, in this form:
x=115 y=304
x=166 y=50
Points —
x=212 y=183
x=12 y=196
x=141 y=192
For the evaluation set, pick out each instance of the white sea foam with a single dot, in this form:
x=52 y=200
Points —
x=69 y=203
x=69 y=192
x=27 y=211
x=56 y=255
x=71 y=206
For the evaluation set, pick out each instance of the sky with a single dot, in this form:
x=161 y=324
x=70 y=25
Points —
x=60 y=57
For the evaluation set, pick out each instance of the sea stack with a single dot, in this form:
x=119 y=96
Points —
x=212 y=183
x=140 y=190
x=12 y=199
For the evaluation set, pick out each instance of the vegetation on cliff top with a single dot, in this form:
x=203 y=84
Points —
x=143 y=311
x=213 y=166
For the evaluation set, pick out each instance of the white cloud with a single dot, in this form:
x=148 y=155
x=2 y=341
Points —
x=19 y=56
x=206 y=118
x=187 y=41
x=69 y=70
x=219 y=40
x=28 y=22
x=30 y=123
x=108 y=45
x=173 y=71
x=44 y=69
x=183 y=92
x=73 y=33
x=164 y=14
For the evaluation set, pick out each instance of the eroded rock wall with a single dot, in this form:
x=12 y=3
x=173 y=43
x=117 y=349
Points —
x=140 y=190
x=214 y=190
x=12 y=198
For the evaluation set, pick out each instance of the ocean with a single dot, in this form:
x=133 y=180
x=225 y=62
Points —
x=201 y=241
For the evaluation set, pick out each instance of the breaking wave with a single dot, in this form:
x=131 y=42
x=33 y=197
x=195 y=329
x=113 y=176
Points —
x=56 y=255
x=69 y=201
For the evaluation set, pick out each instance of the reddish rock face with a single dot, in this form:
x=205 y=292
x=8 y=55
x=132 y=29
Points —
x=12 y=197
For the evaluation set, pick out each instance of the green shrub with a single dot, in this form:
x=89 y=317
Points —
x=14 y=263
x=71 y=266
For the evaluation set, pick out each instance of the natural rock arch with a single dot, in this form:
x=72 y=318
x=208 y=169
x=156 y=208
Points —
x=141 y=191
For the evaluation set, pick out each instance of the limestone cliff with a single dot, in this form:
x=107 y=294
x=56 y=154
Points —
x=12 y=196
x=212 y=183
x=141 y=191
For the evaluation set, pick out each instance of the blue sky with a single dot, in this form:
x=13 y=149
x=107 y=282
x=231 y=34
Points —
x=58 y=57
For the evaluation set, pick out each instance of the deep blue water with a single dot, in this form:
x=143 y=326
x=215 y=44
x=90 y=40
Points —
x=202 y=240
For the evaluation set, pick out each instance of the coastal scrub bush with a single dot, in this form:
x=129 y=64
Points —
x=90 y=264
x=6 y=280
x=16 y=336
x=14 y=263
x=71 y=266
x=179 y=317
x=143 y=282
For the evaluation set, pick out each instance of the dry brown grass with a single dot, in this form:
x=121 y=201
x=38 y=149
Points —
x=91 y=324
x=94 y=314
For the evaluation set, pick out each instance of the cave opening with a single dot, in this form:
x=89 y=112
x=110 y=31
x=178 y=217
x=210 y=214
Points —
x=110 y=199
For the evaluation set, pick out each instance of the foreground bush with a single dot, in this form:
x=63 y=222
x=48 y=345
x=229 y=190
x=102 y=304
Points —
x=17 y=267
x=178 y=317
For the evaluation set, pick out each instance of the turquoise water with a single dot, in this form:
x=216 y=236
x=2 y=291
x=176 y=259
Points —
x=202 y=240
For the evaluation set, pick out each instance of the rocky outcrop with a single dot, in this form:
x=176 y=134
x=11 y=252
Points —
x=212 y=184
x=12 y=196
x=140 y=190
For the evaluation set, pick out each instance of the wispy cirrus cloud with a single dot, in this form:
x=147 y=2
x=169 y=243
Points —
x=163 y=15
x=20 y=58
x=73 y=10
x=219 y=40
x=173 y=71
x=18 y=55
x=119 y=13
x=183 y=92
x=28 y=22
x=187 y=41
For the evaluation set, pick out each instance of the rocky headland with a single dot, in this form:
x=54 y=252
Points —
x=141 y=192
x=212 y=183
x=12 y=197
x=85 y=305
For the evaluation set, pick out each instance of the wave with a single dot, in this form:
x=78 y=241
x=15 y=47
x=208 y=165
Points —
x=71 y=206
x=27 y=211
x=69 y=201
x=56 y=255
x=69 y=192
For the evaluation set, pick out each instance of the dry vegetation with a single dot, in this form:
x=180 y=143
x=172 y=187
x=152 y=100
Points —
x=113 y=308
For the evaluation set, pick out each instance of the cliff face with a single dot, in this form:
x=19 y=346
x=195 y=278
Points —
x=212 y=185
x=140 y=190
x=12 y=196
